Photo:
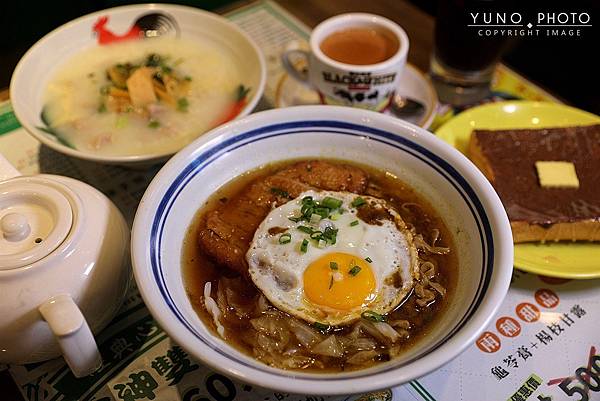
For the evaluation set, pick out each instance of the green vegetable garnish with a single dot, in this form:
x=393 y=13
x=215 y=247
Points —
x=305 y=229
x=354 y=271
x=316 y=235
x=285 y=238
x=102 y=108
x=154 y=124
x=182 y=104
x=321 y=211
x=331 y=203
x=368 y=259
x=307 y=211
x=330 y=235
x=358 y=202
x=354 y=223
x=154 y=60
x=304 y=246
x=333 y=265
x=372 y=316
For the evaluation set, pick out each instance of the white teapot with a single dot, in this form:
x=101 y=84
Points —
x=64 y=268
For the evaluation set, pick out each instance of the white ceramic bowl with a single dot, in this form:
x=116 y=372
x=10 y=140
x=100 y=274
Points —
x=39 y=64
x=456 y=188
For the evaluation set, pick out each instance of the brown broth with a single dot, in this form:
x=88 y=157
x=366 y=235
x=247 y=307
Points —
x=198 y=269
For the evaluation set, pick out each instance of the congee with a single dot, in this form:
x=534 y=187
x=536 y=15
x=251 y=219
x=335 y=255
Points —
x=142 y=97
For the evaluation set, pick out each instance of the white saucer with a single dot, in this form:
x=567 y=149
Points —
x=413 y=84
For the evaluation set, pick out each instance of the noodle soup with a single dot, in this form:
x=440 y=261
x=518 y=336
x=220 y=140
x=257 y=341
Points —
x=139 y=97
x=303 y=265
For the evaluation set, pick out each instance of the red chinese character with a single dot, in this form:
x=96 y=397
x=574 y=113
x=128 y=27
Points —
x=488 y=342
x=528 y=312
x=508 y=327
x=546 y=298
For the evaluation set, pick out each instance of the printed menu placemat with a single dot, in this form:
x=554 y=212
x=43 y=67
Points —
x=544 y=343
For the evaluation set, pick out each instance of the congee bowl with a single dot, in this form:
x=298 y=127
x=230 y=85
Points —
x=50 y=54
x=442 y=175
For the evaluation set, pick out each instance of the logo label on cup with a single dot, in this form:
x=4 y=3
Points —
x=358 y=80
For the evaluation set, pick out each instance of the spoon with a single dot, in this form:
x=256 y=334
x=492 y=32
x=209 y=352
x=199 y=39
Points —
x=157 y=24
x=406 y=107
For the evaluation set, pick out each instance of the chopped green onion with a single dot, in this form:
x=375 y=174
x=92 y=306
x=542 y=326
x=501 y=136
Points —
x=187 y=78
x=316 y=235
x=331 y=282
x=354 y=271
x=333 y=265
x=306 y=210
x=373 y=316
x=331 y=203
x=323 y=328
x=295 y=219
x=305 y=229
x=154 y=124
x=358 y=202
x=335 y=216
x=285 y=238
x=368 y=259
x=280 y=192
x=182 y=104
x=354 y=223
x=330 y=234
x=307 y=199
x=322 y=244
x=304 y=246
x=315 y=218
x=322 y=211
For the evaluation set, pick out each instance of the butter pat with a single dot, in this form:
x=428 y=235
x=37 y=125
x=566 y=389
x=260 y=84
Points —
x=557 y=174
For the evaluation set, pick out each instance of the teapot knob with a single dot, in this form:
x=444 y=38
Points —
x=15 y=227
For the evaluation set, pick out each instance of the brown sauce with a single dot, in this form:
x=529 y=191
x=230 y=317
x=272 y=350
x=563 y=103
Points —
x=198 y=269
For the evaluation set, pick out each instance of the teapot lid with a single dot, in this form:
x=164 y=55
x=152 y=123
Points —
x=35 y=218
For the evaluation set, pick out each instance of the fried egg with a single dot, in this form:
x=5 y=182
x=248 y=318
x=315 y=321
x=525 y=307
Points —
x=317 y=259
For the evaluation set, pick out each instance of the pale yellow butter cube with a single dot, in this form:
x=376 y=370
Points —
x=554 y=174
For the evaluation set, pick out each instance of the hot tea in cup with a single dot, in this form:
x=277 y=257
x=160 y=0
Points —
x=354 y=60
x=360 y=46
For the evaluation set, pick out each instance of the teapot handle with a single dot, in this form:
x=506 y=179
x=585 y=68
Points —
x=7 y=170
x=73 y=334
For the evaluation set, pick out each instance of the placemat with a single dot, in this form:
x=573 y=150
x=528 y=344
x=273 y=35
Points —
x=543 y=344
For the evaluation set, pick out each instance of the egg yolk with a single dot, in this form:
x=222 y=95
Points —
x=339 y=281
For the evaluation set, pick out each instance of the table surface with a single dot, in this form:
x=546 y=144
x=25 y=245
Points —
x=418 y=25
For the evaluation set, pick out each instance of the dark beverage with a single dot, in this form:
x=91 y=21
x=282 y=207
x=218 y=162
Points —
x=466 y=50
x=458 y=45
